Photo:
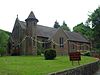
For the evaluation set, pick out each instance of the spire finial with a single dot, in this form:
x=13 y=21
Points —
x=17 y=15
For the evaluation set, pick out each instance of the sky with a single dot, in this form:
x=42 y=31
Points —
x=47 y=12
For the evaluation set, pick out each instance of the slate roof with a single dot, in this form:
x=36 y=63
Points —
x=45 y=31
x=48 y=32
x=42 y=31
x=73 y=36
x=32 y=17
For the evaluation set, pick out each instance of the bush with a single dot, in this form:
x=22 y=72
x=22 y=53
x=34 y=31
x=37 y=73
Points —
x=87 y=54
x=50 y=54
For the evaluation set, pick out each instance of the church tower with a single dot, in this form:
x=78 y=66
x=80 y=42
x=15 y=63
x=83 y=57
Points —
x=31 y=44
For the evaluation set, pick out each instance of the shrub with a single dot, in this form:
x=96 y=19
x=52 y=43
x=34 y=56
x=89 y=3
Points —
x=50 y=54
x=87 y=54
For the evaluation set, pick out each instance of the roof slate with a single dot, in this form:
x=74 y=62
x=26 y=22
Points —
x=48 y=32
x=73 y=36
x=31 y=15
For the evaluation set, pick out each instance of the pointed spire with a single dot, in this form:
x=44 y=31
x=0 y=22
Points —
x=17 y=19
x=17 y=16
x=31 y=17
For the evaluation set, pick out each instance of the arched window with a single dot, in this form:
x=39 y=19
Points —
x=61 y=42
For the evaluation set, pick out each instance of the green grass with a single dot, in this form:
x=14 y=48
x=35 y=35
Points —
x=36 y=65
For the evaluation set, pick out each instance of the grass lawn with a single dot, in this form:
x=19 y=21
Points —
x=36 y=65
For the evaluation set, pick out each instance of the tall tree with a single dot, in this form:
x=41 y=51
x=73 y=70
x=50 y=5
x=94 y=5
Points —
x=83 y=29
x=94 y=19
x=79 y=28
x=56 y=25
x=65 y=27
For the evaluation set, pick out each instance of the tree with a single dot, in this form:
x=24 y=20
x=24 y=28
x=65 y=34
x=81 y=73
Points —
x=94 y=19
x=65 y=27
x=3 y=42
x=85 y=30
x=79 y=28
x=56 y=25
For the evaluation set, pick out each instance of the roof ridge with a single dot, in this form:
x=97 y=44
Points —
x=47 y=26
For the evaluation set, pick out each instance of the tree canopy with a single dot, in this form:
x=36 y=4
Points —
x=64 y=26
x=3 y=41
x=83 y=29
x=94 y=19
x=56 y=24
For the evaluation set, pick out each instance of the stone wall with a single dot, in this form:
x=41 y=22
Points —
x=88 y=69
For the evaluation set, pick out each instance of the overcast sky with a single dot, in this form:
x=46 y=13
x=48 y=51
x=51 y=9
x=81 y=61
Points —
x=47 y=12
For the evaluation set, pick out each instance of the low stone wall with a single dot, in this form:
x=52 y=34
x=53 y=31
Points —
x=88 y=69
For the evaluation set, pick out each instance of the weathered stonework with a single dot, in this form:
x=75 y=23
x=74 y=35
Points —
x=26 y=36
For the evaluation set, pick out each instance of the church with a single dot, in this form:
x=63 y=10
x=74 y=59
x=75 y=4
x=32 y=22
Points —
x=29 y=38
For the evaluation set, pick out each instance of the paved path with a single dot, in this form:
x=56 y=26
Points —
x=98 y=72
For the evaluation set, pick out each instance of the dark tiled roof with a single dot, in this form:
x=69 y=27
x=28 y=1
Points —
x=44 y=31
x=32 y=16
x=75 y=36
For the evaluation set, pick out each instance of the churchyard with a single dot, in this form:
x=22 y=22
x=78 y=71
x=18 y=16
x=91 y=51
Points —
x=37 y=65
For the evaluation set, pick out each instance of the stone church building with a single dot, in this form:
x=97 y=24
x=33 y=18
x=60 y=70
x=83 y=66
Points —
x=27 y=36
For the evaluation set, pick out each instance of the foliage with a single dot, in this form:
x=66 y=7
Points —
x=94 y=19
x=56 y=25
x=65 y=27
x=85 y=30
x=5 y=31
x=29 y=65
x=50 y=54
x=2 y=51
x=3 y=42
x=87 y=54
x=40 y=49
